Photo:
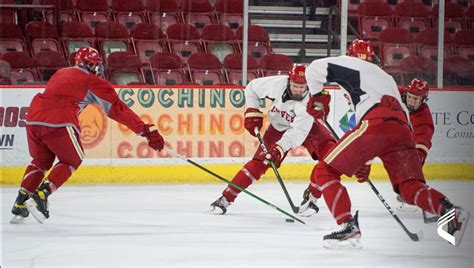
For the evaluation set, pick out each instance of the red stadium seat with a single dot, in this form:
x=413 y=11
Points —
x=258 y=41
x=124 y=68
x=230 y=13
x=412 y=16
x=167 y=69
x=128 y=12
x=233 y=68
x=75 y=35
x=418 y=67
x=374 y=18
x=427 y=43
x=93 y=12
x=48 y=62
x=453 y=17
x=66 y=11
x=464 y=43
x=396 y=45
x=219 y=40
x=163 y=13
x=458 y=71
x=147 y=39
x=275 y=64
x=112 y=37
x=470 y=16
x=8 y=16
x=11 y=38
x=23 y=68
x=42 y=37
x=184 y=40
x=198 y=13
x=205 y=69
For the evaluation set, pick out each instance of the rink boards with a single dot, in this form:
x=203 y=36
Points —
x=206 y=124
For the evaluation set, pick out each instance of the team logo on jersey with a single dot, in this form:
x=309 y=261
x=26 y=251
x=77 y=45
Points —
x=93 y=123
x=348 y=121
x=288 y=116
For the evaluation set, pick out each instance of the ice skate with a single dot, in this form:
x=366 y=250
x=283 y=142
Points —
x=346 y=238
x=457 y=223
x=19 y=210
x=37 y=205
x=219 y=207
x=404 y=206
x=308 y=206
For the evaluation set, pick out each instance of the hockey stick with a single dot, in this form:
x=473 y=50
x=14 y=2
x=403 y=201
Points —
x=175 y=154
x=415 y=237
x=277 y=174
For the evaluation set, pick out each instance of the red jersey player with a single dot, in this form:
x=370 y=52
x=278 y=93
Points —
x=290 y=126
x=53 y=130
x=415 y=97
x=382 y=131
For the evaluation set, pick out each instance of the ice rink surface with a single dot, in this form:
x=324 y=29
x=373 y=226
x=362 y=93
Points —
x=166 y=226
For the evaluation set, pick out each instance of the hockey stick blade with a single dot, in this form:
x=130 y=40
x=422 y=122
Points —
x=277 y=174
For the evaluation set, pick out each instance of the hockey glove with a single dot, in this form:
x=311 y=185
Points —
x=275 y=154
x=155 y=140
x=362 y=174
x=318 y=105
x=253 y=118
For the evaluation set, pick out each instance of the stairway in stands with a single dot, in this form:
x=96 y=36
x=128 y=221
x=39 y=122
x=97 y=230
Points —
x=284 y=22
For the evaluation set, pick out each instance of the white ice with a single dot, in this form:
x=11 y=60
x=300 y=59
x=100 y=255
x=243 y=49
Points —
x=166 y=226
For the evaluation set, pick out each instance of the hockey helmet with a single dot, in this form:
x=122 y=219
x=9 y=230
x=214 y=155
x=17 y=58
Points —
x=90 y=59
x=361 y=49
x=297 y=73
x=418 y=87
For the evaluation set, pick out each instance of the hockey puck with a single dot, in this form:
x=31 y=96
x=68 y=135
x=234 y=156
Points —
x=290 y=220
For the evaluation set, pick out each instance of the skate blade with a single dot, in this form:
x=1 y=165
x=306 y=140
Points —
x=31 y=206
x=17 y=219
x=215 y=211
x=460 y=233
x=351 y=243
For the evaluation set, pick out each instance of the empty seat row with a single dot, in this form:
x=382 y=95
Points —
x=163 y=13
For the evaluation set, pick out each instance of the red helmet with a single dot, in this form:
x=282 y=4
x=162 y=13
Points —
x=418 y=87
x=361 y=49
x=89 y=58
x=297 y=73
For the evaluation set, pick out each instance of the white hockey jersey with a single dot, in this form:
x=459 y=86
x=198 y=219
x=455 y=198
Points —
x=364 y=83
x=285 y=115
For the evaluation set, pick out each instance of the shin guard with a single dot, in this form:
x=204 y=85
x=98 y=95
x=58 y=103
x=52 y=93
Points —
x=251 y=172
x=418 y=193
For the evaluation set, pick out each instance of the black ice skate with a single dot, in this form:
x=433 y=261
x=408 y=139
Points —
x=308 y=205
x=455 y=219
x=37 y=205
x=221 y=203
x=347 y=237
x=19 y=210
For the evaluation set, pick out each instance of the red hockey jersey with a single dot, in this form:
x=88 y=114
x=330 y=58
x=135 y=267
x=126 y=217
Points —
x=69 y=91
x=423 y=127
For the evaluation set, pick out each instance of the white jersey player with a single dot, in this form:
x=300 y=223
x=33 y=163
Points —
x=290 y=124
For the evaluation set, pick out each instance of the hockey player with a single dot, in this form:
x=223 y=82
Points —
x=415 y=97
x=53 y=130
x=382 y=131
x=290 y=124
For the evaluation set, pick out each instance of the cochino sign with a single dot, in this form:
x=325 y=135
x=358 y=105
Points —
x=196 y=122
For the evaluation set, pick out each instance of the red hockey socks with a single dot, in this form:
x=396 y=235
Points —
x=334 y=193
x=32 y=178
x=60 y=174
x=251 y=172
x=418 y=193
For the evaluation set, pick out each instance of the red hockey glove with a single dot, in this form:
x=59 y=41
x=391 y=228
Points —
x=253 y=118
x=362 y=174
x=318 y=105
x=422 y=155
x=155 y=140
x=275 y=154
